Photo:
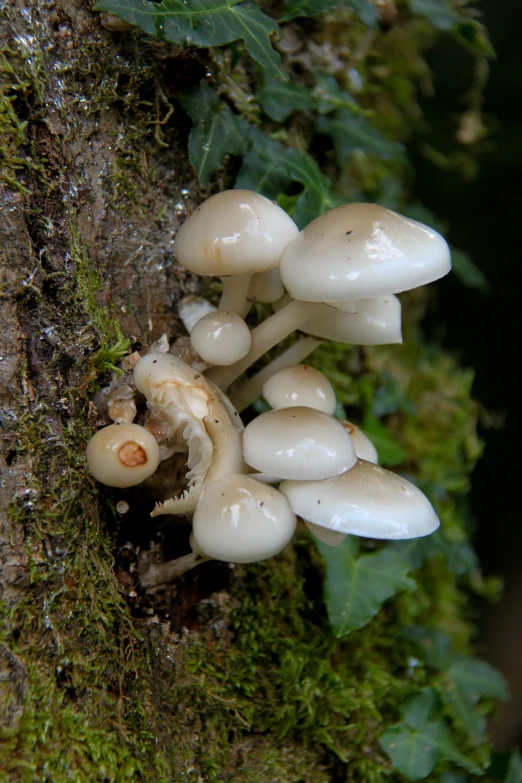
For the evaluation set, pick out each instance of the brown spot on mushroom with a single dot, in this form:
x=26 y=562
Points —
x=132 y=454
x=348 y=427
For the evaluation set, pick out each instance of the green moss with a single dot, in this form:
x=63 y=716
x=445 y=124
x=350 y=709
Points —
x=20 y=79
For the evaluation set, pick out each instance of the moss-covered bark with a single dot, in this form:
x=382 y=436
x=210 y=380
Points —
x=231 y=673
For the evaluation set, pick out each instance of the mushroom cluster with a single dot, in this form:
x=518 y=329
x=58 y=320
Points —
x=294 y=466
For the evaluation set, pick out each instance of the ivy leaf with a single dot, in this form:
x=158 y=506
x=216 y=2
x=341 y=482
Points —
x=351 y=131
x=441 y=15
x=279 y=99
x=269 y=169
x=435 y=643
x=477 y=678
x=329 y=95
x=364 y=10
x=468 y=272
x=514 y=773
x=203 y=23
x=389 y=450
x=316 y=197
x=264 y=168
x=356 y=587
x=417 y=744
x=468 y=680
x=216 y=131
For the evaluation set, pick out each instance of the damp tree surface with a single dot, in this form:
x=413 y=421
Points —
x=353 y=664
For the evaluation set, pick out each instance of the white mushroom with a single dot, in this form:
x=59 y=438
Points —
x=363 y=446
x=221 y=337
x=366 y=501
x=122 y=455
x=358 y=251
x=352 y=252
x=190 y=410
x=300 y=385
x=233 y=235
x=298 y=443
x=240 y=520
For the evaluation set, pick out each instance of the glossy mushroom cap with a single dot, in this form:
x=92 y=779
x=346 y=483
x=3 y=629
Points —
x=358 y=251
x=240 y=520
x=122 y=455
x=221 y=337
x=298 y=443
x=366 y=501
x=234 y=232
x=363 y=446
x=300 y=385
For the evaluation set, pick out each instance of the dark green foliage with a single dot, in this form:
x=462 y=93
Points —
x=216 y=132
x=356 y=587
x=203 y=23
x=364 y=10
x=422 y=738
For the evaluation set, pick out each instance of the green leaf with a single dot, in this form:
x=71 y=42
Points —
x=467 y=272
x=389 y=450
x=417 y=708
x=351 y=132
x=477 y=678
x=356 y=587
x=514 y=773
x=416 y=745
x=203 y=23
x=435 y=643
x=264 y=168
x=216 y=132
x=459 y=555
x=364 y=10
x=316 y=197
x=269 y=169
x=279 y=99
x=329 y=95
x=441 y=15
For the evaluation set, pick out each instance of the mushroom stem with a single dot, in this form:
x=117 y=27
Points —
x=156 y=574
x=251 y=389
x=235 y=289
x=264 y=337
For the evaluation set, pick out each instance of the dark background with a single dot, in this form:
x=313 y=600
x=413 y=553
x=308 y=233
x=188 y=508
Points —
x=485 y=218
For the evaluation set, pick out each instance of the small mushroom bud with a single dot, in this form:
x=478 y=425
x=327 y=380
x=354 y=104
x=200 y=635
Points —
x=122 y=455
x=300 y=385
x=240 y=520
x=221 y=338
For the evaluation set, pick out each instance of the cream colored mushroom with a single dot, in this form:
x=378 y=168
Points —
x=221 y=337
x=240 y=520
x=366 y=501
x=300 y=385
x=122 y=455
x=198 y=420
x=298 y=443
x=234 y=235
x=358 y=251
